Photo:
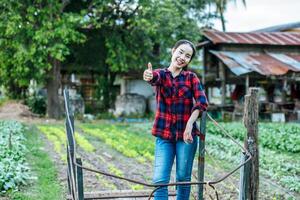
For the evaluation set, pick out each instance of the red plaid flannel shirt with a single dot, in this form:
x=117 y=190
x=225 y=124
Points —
x=175 y=99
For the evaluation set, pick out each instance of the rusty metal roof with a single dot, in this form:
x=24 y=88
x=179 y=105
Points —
x=292 y=59
x=263 y=38
x=235 y=67
x=263 y=63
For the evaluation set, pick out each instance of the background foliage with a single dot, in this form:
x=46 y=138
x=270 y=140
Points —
x=102 y=37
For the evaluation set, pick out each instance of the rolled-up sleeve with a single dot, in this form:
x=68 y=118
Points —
x=201 y=102
x=156 y=78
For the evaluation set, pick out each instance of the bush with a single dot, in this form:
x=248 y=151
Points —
x=105 y=115
x=37 y=104
x=2 y=101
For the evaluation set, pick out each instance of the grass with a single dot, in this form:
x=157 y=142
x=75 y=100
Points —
x=46 y=186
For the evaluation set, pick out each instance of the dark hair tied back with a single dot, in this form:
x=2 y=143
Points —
x=184 y=41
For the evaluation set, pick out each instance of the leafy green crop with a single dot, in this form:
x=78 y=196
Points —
x=279 y=146
x=14 y=171
x=57 y=135
x=282 y=167
x=129 y=143
x=275 y=136
x=57 y=138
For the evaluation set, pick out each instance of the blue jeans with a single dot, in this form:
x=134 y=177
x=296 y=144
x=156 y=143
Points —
x=165 y=152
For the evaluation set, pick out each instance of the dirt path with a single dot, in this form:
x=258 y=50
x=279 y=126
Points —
x=14 y=110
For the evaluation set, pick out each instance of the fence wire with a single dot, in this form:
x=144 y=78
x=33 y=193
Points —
x=72 y=156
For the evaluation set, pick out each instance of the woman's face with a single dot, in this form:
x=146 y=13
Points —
x=181 y=56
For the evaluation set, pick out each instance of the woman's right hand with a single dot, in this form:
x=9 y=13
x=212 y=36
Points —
x=148 y=74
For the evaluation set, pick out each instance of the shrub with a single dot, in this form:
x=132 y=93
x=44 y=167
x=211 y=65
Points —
x=37 y=104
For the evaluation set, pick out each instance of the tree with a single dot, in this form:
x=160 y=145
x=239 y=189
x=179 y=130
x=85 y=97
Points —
x=38 y=37
x=132 y=32
x=34 y=40
x=221 y=6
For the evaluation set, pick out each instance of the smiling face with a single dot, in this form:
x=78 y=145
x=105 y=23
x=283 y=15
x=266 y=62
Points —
x=181 y=56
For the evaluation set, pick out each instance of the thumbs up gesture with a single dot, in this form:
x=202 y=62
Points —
x=148 y=75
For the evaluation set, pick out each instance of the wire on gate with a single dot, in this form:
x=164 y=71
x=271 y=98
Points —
x=216 y=164
x=228 y=135
x=156 y=186
x=216 y=192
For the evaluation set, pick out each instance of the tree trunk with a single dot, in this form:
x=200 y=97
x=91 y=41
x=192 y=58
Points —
x=112 y=91
x=52 y=85
x=223 y=20
x=106 y=89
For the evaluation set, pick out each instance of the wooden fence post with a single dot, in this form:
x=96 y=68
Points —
x=250 y=180
x=201 y=155
x=244 y=178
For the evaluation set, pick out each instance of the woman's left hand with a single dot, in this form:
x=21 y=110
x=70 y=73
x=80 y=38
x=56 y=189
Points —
x=187 y=135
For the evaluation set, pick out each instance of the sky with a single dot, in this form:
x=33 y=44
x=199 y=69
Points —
x=259 y=14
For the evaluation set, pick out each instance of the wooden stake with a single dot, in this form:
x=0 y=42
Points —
x=201 y=156
x=251 y=141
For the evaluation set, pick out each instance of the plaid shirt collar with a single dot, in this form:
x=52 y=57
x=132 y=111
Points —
x=182 y=72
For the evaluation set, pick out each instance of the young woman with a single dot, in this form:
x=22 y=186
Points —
x=174 y=125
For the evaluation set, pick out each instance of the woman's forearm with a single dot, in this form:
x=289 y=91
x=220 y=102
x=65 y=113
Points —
x=194 y=116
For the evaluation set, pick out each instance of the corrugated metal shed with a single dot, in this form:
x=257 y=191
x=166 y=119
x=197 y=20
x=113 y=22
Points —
x=263 y=38
x=235 y=67
x=263 y=63
x=293 y=60
x=260 y=59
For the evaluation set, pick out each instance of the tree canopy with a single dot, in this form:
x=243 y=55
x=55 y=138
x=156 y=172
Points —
x=32 y=35
x=112 y=36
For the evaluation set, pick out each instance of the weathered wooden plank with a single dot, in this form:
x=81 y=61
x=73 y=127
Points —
x=244 y=178
x=119 y=194
x=201 y=156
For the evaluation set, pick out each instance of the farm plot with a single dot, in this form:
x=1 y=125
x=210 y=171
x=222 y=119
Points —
x=279 y=146
x=127 y=150
x=26 y=171
x=98 y=155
